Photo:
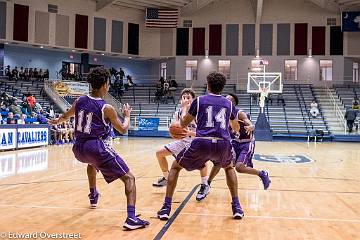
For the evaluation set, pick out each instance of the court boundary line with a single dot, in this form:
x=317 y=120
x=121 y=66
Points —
x=167 y=225
x=185 y=213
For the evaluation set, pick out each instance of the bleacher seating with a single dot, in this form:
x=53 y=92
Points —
x=18 y=88
x=347 y=94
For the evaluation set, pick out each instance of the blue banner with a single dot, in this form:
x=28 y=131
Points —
x=148 y=124
x=351 y=21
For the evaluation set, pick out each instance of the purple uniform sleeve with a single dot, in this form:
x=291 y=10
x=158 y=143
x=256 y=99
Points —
x=193 y=108
x=233 y=112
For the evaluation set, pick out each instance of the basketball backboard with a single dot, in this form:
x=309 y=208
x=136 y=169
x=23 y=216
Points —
x=258 y=81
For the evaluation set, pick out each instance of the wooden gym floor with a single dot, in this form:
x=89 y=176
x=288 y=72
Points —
x=45 y=190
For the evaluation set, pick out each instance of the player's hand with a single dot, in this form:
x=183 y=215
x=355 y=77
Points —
x=126 y=110
x=249 y=129
x=53 y=121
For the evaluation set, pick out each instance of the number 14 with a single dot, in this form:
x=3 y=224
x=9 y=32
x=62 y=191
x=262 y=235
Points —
x=219 y=117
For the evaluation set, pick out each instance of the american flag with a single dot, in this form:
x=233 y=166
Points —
x=161 y=18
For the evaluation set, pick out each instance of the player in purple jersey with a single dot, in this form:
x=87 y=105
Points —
x=174 y=148
x=243 y=144
x=213 y=113
x=93 y=125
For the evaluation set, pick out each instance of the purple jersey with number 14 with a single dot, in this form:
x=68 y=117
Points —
x=89 y=119
x=212 y=142
x=212 y=113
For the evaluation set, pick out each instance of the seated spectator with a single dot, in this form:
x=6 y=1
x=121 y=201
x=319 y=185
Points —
x=14 y=74
x=159 y=94
x=26 y=74
x=36 y=73
x=21 y=120
x=38 y=107
x=41 y=117
x=7 y=71
x=126 y=84
x=31 y=73
x=25 y=107
x=46 y=74
x=268 y=99
x=70 y=127
x=56 y=134
x=10 y=118
x=355 y=103
x=314 y=110
x=1 y=120
x=50 y=112
x=130 y=81
x=21 y=74
x=161 y=82
x=31 y=100
x=16 y=109
x=173 y=84
x=41 y=75
x=280 y=98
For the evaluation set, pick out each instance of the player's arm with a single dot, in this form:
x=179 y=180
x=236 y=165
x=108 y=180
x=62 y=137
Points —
x=234 y=123
x=64 y=117
x=249 y=127
x=190 y=115
x=111 y=115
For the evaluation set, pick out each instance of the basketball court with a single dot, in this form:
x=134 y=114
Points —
x=45 y=190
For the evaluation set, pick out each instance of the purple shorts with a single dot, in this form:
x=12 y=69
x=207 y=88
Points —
x=202 y=150
x=244 y=152
x=104 y=158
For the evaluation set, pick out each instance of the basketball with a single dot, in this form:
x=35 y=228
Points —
x=176 y=131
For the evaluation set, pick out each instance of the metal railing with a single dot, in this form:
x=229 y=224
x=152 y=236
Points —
x=339 y=114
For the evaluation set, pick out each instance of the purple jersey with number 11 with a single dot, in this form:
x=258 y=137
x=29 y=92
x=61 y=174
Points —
x=89 y=119
x=212 y=113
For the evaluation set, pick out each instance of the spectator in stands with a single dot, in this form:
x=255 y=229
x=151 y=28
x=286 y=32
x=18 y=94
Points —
x=126 y=83
x=26 y=74
x=1 y=120
x=14 y=73
x=36 y=74
x=162 y=81
x=7 y=71
x=159 y=94
x=268 y=99
x=350 y=117
x=130 y=81
x=31 y=100
x=21 y=74
x=46 y=74
x=121 y=74
x=38 y=107
x=173 y=83
x=314 y=110
x=355 y=103
x=51 y=112
x=25 y=107
x=41 y=117
x=31 y=73
x=16 y=109
x=10 y=118
x=41 y=75
x=21 y=120
x=280 y=98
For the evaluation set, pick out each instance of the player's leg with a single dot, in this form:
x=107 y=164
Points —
x=173 y=148
x=94 y=194
x=204 y=187
x=214 y=171
x=161 y=157
x=244 y=162
x=164 y=212
x=232 y=184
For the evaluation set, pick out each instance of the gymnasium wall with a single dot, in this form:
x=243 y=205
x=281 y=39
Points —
x=51 y=29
